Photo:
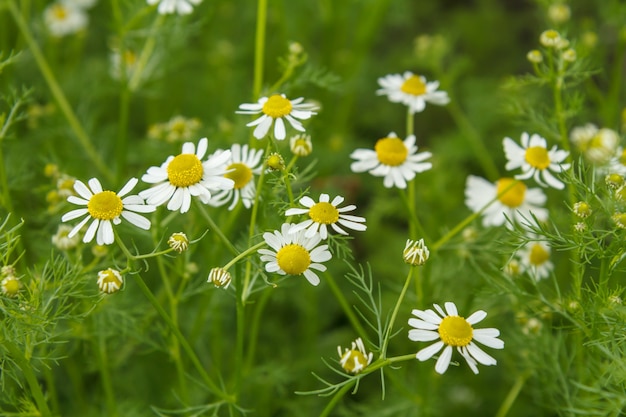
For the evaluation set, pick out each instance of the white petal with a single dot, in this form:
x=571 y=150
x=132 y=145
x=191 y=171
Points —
x=422 y=325
x=311 y=277
x=82 y=190
x=444 y=360
x=136 y=219
x=95 y=185
x=429 y=351
x=279 y=129
x=74 y=214
x=476 y=317
x=478 y=354
x=128 y=187
x=418 y=335
x=451 y=309
x=91 y=231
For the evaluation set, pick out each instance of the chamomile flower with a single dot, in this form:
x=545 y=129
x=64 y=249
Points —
x=63 y=18
x=61 y=239
x=301 y=144
x=535 y=259
x=323 y=214
x=617 y=164
x=184 y=176
x=412 y=91
x=105 y=209
x=243 y=164
x=355 y=359
x=10 y=286
x=294 y=254
x=451 y=330
x=598 y=146
x=110 y=281
x=181 y=7
x=392 y=158
x=275 y=110
x=535 y=160
x=513 y=200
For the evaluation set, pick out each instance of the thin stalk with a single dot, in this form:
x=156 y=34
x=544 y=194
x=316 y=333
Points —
x=383 y=350
x=255 y=325
x=212 y=386
x=216 y=229
x=259 y=47
x=58 y=94
x=144 y=56
x=348 y=311
x=105 y=376
x=31 y=378
x=511 y=396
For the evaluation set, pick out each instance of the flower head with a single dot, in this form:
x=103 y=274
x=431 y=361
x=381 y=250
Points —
x=451 y=330
x=105 y=209
x=184 y=176
x=62 y=240
x=110 y=281
x=301 y=145
x=10 y=285
x=275 y=162
x=598 y=146
x=274 y=109
x=355 y=359
x=182 y=7
x=219 y=277
x=325 y=213
x=63 y=18
x=415 y=252
x=412 y=90
x=178 y=241
x=535 y=160
x=241 y=167
x=582 y=209
x=392 y=158
x=514 y=201
x=294 y=254
x=535 y=259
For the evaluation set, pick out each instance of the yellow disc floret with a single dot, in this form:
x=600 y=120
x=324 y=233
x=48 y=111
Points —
x=59 y=11
x=514 y=194
x=105 y=205
x=353 y=361
x=277 y=106
x=324 y=213
x=240 y=173
x=293 y=259
x=414 y=86
x=185 y=170
x=391 y=151
x=455 y=331
x=537 y=157
x=538 y=255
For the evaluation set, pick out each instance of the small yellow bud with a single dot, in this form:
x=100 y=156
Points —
x=614 y=180
x=178 y=242
x=582 y=209
x=534 y=56
x=219 y=277
x=569 y=55
x=275 y=162
x=415 y=252
x=10 y=286
x=110 y=281
x=355 y=359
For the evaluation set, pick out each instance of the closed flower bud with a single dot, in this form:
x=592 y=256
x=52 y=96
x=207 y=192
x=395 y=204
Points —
x=219 y=277
x=178 y=242
x=110 y=281
x=415 y=252
x=275 y=162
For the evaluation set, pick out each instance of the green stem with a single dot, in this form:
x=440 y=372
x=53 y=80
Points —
x=121 y=146
x=383 y=350
x=255 y=326
x=511 y=396
x=103 y=362
x=410 y=122
x=58 y=94
x=216 y=229
x=475 y=140
x=259 y=47
x=244 y=254
x=144 y=56
x=338 y=396
x=30 y=376
x=356 y=324
x=182 y=340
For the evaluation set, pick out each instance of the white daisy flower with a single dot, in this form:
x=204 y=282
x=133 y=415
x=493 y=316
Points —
x=392 y=158
x=325 y=213
x=598 y=146
x=63 y=18
x=61 y=239
x=412 y=91
x=105 y=208
x=274 y=109
x=451 y=330
x=294 y=254
x=184 y=176
x=517 y=202
x=534 y=257
x=241 y=167
x=182 y=7
x=535 y=160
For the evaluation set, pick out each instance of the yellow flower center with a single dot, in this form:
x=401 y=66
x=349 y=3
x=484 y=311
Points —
x=391 y=151
x=11 y=286
x=277 y=106
x=538 y=255
x=185 y=170
x=455 y=331
x=109 y=281
x=59 y=11
x=353 y=361
x=105 y=205
x=514 y=195
x=537 y=157
x=324 y=213
x=241 y=174
x=293 y=259
x=414 y=86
